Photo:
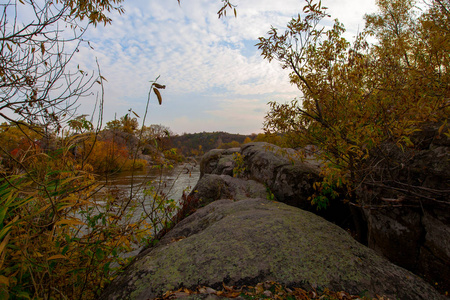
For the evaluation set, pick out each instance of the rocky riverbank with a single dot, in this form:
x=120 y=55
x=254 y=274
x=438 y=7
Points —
x=240 y=237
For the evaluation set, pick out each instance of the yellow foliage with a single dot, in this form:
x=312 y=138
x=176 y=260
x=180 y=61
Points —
x=173 y=155
x=103 y=156
x=358 y=96
x=56 y=239
x=247 y=140
x=130 y=164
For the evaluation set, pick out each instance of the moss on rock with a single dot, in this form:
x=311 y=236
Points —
x=255 y=240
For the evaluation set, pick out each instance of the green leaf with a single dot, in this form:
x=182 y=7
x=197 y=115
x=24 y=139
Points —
x=100 y=254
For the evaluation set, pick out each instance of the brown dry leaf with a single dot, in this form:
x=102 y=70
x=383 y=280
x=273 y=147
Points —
x=301 y=293
x=158 y=94
x=159 y=86
x=167 y=294
x=234 y=294
x=343 y=295
x=57 y=256
x=177 y=239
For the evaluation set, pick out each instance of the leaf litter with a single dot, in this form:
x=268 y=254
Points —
x=264 y=290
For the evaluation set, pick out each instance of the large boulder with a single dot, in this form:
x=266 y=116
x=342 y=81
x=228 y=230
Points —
x=287 y=177
x=290 y=179
x=254 y=240
x=404 y=213
x=218 y=161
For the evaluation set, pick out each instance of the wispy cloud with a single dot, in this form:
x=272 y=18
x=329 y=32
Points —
x=215 y=77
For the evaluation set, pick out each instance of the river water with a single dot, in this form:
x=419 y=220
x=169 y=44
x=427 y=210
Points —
x=171 y=181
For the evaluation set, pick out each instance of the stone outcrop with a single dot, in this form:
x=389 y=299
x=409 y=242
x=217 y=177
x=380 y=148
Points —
x=254 y=240
x=406 y=201
x=283 y=173
x=240 y=237
x=213 y=187
x=218 y=161
x=411 y=231
x=290 y=180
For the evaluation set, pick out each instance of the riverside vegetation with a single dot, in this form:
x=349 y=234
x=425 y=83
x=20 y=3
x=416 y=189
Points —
x=62 y=235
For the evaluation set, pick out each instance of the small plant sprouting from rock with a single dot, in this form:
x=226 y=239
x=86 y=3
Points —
x=270 y=195
x=324 y=193
x=240 y=168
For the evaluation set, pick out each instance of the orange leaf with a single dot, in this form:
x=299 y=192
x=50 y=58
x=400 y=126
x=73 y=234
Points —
x=57 y=256
x=70 y=222
x=4 y=280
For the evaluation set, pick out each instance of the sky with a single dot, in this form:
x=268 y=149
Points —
x=215 y=77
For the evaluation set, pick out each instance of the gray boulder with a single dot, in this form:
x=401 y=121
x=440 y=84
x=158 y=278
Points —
x=289 y=179
x=411 y=227
x=213 y=187
x=218 y=161
x=254 y=240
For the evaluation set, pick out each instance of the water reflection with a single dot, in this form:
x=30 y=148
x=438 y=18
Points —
x=172 y=181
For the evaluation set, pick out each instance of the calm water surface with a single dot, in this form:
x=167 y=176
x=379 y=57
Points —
x=171 y=181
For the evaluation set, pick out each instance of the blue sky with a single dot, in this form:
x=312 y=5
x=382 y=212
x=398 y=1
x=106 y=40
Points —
x=216 y=79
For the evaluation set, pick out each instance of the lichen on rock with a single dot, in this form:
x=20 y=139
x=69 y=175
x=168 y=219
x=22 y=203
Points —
x=254 y=240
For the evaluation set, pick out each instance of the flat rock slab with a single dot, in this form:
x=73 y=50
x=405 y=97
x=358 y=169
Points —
x=255 y=240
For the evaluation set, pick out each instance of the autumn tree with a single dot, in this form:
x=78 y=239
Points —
x=357 y=96
x=36 y=85
x=247 y=140
x=158 y=136
x=43 y=189
x=156 y=131
x=126 y=124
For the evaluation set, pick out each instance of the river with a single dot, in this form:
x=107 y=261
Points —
x=172 y=181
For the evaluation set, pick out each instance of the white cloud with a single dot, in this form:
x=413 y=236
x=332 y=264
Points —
x=215 y=77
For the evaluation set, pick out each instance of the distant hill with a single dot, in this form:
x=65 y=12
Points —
x=199 y=143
